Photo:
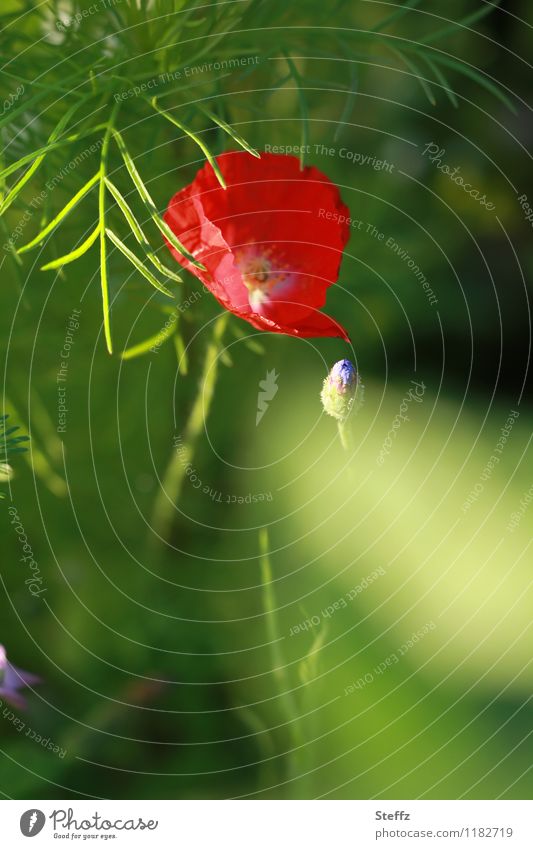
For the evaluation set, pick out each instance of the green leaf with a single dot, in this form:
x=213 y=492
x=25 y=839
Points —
x=47 y=148
x=126 y=210
x=75 y=254
x=150 y=205
x=19 y=185
x=303 y=108
x=350 y=100
x=201 y=144
x=136 y=262
x=38 y=460
x=464 y=22
x=20 y=448
x=138 y=232
x=399 y=13
x=9 y=431
x=441 y=79
x=166 y=332
x=61 y=215
x=104 y=283
x=10 y=116
x=468 y=71
x=416 y=72
x=230 y=131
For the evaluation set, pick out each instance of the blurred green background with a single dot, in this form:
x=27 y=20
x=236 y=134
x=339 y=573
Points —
x=175 y=670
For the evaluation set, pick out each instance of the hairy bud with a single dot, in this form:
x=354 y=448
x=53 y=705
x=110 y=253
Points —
x=338 y=391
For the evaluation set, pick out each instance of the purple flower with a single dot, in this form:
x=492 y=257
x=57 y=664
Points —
x=13 y=679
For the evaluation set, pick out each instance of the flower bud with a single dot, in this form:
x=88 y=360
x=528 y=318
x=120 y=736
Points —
x=338 y=391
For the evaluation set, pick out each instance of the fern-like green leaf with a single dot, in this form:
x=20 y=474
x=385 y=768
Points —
x=67 y=209
x=456 y=26
x=56 y=133
x=145 y=196
x=136 y=262
x=196 y=139
x=440 y=77
x=104 y=282
x=138 y=232
x=413 y=67
x=166 y=332
x=394 y=16
x=48 y=148
x=10 y=444
x=348 y=105
x=75 y=254
x=303 y=108
x=473 y=74
x=230 y=131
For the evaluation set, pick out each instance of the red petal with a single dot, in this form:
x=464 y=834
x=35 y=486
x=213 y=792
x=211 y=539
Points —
x=270 y=203
x=316 y=324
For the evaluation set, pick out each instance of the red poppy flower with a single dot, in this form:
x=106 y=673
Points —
x=271 y=242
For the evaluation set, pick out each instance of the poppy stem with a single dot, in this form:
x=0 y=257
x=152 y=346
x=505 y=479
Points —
x=165 y=503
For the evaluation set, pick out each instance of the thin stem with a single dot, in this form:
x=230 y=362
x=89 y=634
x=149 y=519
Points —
x=345 y=425
x=345 y=433
x=165 y=503
x=288 y=704
x=101 y=216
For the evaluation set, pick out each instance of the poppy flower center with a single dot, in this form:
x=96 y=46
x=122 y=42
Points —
x=261 y=275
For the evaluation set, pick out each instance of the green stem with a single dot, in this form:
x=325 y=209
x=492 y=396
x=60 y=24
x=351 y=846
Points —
x=345 y=434
x=16 y=260
x=279 y=667
x=102 y=226
x=165 y=503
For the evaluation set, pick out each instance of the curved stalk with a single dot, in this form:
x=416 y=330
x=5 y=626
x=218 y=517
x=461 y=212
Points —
x=165 y=502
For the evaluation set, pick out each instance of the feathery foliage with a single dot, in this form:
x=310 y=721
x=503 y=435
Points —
x=77 y=66
x=9 y=445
